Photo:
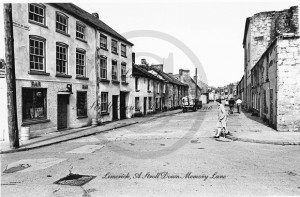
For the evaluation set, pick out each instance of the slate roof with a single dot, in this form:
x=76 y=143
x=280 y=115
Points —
x=90 y=19
x=139 y=70
x=168 y=77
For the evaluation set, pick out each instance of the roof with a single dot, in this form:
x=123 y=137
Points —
x=138 y=70
x=168 y=77
x=246 y=30
x=90 y=19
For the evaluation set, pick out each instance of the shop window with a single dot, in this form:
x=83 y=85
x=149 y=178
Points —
x=34 y=103
x=81 y=104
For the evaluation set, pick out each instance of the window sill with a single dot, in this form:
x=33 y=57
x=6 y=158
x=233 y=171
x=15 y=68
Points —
x=33 y=72
x=124 y=56
x=115 y=82
x=105 y=49
x=104 y=114
x=39 y=24
x=82 y=117
x=82 y=77
x=81 y=40
x=63 y=33
x=115 y=53
x=104 y=80
x=63 y=75
x=31 y=122
x=124 y=83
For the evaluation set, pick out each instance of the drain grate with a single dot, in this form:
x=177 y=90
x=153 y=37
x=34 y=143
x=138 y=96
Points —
x=75 y=180
x=16 y=168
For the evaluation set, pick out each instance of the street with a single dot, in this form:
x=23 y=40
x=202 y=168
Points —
x=174 y=155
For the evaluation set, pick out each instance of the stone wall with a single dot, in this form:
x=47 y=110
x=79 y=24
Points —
x=288 y=87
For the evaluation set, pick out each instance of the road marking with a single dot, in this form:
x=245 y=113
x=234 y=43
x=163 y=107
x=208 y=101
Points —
x=36 y=164
x=86 y=149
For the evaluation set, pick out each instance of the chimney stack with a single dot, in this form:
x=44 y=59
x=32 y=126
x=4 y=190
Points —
x=143 y=61
x=95 y=14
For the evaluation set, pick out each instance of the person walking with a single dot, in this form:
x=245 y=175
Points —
x=238 y=105
x=222 y=120
x=231 y=105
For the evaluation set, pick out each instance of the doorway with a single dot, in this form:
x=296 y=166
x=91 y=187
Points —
x=145 y=106
x=115 y=107
x=62 y=111
x=122 y=105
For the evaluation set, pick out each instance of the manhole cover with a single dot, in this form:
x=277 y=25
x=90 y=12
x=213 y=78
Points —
x=16 y=168
x=75 y=180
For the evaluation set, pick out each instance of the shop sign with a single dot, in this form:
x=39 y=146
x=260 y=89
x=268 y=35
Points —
x=35 y=84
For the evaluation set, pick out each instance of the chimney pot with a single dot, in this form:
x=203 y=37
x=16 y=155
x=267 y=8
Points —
x=95 y=14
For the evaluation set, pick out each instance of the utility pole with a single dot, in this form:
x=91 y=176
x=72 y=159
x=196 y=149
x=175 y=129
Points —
x=10 y=77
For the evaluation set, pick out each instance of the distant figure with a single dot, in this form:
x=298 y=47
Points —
x=238 y=104
x=231 y=105
x=222 y=120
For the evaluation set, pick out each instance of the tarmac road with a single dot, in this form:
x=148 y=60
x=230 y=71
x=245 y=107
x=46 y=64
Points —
x=170 y=156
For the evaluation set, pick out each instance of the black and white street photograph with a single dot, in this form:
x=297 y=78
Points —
x=149 y=98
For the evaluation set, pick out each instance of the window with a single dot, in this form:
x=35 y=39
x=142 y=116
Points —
x=103 y=67
x=61 y=58
x=61 y=22
x=81 y=104
x=37 y=53
x=136 y=83
x=123 y=72
x=80 y=31
x=150 y=102
x=137 y=103
x=114 y=46
x=148 y=85
x=80 y=62
x=114 y=71
x=34 y=103
x=37 y=13
x=104 y=102
x=158 y=87
x=103 y=41
x=123 y=50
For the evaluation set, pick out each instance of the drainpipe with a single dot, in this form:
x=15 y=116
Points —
x=97 y=77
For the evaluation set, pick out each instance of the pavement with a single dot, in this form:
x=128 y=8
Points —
x=243 y=127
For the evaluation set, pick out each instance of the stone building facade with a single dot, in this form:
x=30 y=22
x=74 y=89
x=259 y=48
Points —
x=55 y=67
x=271 y=88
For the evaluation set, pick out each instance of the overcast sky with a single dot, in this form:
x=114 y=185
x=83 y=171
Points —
x=212 y=30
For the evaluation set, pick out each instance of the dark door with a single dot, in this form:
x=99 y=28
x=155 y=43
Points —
x=122 y=105
x=115 y=107
x=62 y=111
x=145 y=105
x=271 y=107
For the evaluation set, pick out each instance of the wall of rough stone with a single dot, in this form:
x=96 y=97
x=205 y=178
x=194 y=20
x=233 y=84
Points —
x=288 y=87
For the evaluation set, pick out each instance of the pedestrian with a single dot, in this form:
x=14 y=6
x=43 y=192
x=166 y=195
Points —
x=238 y=104
x=222 y=120
x=231 y=105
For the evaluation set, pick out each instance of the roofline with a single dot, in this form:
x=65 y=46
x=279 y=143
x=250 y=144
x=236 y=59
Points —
x=246 y=30
x=88 y=22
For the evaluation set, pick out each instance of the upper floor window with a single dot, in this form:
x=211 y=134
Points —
x=114 y=46
x=123 y=50
x=61 y=22
x=103 y=41
x=103 y=67
x=37 y=53
x=80 y=62
x=61 y=58
x=37 y=13
x=123 y=72
x=148 y=85
x=114 y=70
x=80 y=31
x=136 y=83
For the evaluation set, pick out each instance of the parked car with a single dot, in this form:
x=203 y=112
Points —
x=189 y=103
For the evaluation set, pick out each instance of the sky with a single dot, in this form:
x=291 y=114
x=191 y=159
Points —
x=211 y=30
